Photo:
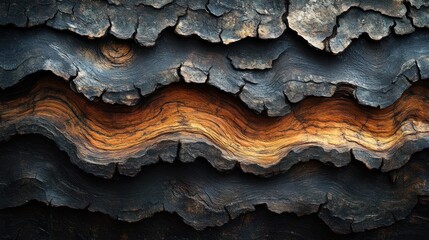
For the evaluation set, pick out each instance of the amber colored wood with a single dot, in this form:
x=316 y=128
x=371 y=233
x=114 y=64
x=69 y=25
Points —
x=102 y=134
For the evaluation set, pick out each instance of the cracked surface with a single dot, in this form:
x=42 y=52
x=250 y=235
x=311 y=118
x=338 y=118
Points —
x=315 y=20
x=223 y=21
x=356 y=22
x=190 y=121
x=204 y=197
x=379 y=72
x=332 y=24
x=68 y=67
x=216 y=20
x=44 y=222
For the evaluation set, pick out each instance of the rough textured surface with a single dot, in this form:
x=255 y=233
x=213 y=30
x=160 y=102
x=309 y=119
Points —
x=343 y=198
x=188 y=121
x=162 y=108
x=121 y=72
x=36 y=220
x=332 y=24
x=420 y=16
x=356 y=22
x=223 y=21
x=216 y=21
x=415 y=226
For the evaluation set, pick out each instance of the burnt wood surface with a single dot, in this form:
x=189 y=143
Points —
x=116 y=71
x=36 y=220
x=214 y=119
x=344 y=198
x=328 y=24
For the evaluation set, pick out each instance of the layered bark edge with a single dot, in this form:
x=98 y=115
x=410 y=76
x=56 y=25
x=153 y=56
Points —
x=341 y=197
x=36 y=220
x=189 y=121
x=330 y=25
x=121 y=72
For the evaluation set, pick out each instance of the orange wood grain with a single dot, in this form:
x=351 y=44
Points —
x=188 y=113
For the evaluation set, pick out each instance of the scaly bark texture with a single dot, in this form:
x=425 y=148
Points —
x=342 y=197
x=189 y=121
x=268 y=76
x=214 y=119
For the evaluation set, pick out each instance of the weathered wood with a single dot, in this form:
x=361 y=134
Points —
x=317 y=21
x=36 y=220
x=226 y=21
x=189 y=121
x=68 y=67
x=121 y=72
x=415 y=226
x=344 y=198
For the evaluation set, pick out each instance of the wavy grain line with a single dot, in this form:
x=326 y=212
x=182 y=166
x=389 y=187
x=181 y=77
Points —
x=206 y=123
x=342 y=197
